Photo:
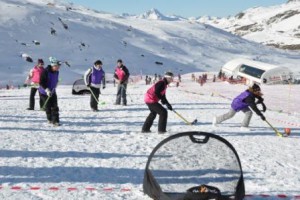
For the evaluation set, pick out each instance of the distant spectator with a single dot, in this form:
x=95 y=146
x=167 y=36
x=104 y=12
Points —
x=193 y=77
x=179 y=77
x=220 y=74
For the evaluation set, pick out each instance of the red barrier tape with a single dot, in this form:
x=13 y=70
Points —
x=288 y=123
x=109 y=189
x=70 y=189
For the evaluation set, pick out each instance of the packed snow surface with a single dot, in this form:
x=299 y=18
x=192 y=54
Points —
x=106 y=151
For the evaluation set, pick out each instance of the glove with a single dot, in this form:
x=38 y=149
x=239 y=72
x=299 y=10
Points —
x=260 y=100
x=48 y=92
x=163 y=101
x=169 y=106
x=103 y=87
x=263 y=118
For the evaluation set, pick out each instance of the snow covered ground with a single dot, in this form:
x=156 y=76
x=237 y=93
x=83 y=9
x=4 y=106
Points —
x=103 y=155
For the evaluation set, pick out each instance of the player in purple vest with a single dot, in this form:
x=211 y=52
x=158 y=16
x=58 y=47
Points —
x=155 y=94
x=48 y=83
x=93 y=78
x=242 y=103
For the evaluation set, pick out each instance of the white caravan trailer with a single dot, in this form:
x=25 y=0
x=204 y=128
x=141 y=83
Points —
x=257 y=72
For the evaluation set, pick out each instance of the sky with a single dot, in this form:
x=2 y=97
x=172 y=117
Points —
x=184 y=8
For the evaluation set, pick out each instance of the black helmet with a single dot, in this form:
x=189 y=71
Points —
x=119 y=61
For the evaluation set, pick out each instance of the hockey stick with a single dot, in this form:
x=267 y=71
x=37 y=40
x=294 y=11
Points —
x=98 y=102
x=46 y=102
x=127 y=92
x=48 y=98
x=187 y=122
x=276 y=131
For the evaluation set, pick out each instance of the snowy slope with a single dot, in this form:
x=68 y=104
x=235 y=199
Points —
x=274 y=26
x=103 y=155
x=84 y=35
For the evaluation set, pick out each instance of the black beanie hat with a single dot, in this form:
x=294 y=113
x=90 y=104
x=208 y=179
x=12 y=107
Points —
x=98 y=62
x=255 y=87
x=40 y=61
x=169 y=75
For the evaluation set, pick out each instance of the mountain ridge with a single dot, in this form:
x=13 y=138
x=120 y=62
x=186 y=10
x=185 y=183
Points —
x=82 y=35
x=261 y=24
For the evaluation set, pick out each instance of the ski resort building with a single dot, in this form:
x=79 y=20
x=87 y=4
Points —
x=256 y=72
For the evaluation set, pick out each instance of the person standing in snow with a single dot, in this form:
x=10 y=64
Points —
x=242 y=103
x=34 y=77
x=48 y=83
x=92 y=79
x=121 y=76
x=155 y=94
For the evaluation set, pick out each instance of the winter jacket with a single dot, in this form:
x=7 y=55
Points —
x=48 y=80
x=244 y=100
x=35 y=74
x=121 y=74
x=94 y=76
x=157 y=92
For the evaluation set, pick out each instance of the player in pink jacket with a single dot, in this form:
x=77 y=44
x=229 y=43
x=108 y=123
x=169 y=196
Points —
x=121 y=77
x=34 y=77
x=155 y=94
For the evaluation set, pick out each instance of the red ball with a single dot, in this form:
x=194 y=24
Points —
x=287 y=131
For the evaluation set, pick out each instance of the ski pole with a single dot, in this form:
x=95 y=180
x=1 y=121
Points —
x=276 y=131
x=187 y=122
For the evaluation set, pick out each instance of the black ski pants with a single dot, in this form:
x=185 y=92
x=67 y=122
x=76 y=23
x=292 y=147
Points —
x=51 y=108
x=93 y=101
x=156 y=108
x=32 y=100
